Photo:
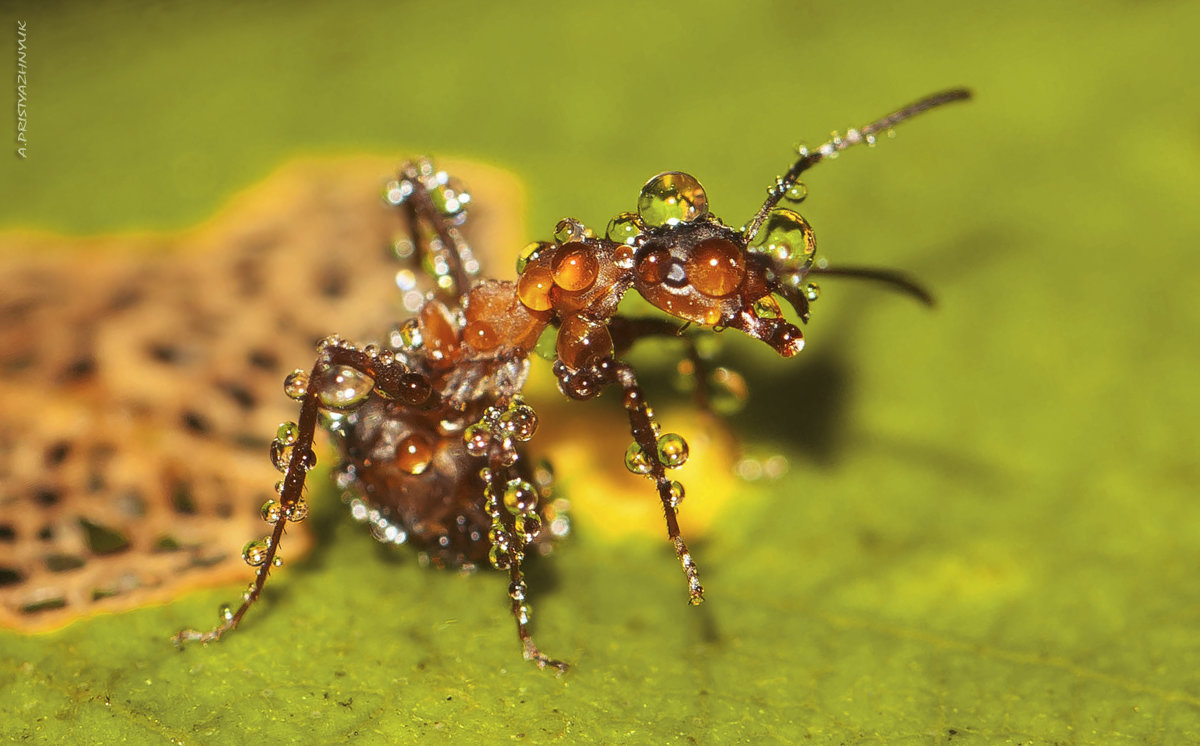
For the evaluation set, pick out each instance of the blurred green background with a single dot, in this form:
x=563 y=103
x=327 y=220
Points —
x=989 y=533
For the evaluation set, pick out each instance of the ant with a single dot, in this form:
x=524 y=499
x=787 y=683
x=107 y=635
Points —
x=430 y=428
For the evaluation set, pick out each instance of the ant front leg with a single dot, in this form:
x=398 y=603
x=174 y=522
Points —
x=292 y=453
x=435 y=205
x=650 y=454
x=341 y=379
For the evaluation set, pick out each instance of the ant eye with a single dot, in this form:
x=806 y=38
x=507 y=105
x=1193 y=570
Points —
x=715 y=267
x=675 y=277
x=672 y=198
x=787 y=237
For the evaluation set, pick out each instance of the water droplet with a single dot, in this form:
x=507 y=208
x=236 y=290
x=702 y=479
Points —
x=516 y=591
x=450 y=197
x=225 y=613
x=767 y=307
x=671 y=198
x=676 y=494
x=635 y=459
x=528 y=525
x=715 y=267
x=624 y=228
x=343 y=387
x=812 y=291
x=796 y=192
x=520 y=496
x=521 y=421
x=287 y=433
x=413 y=454
x=297 y=511
x=413 y=388
x=624 y=256
x=277 y=562
x=477 y=437
x=583 y=341
x=409 y=335
x=403 y=247
x=529 y=253
x=575 y=267
x=788 y=237
x=271 y=511
x=498 y=557
x=406 y=280
x=296 y=384
x=672 y=450
x=497 y=536
x=533 y=287
x=568 y=230
x=255 y=552
x=281 y=455
x=396 y=191
x=481 y=336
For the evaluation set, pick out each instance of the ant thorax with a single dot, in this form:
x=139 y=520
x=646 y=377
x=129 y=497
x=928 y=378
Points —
x=431 y=428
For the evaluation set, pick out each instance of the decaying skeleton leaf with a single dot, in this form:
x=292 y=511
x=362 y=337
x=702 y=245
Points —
x=155 y=361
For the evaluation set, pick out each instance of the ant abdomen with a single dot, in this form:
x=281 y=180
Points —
x=411 y=477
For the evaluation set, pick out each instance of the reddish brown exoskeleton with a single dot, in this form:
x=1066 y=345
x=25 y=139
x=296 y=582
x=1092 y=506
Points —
x=430 y=426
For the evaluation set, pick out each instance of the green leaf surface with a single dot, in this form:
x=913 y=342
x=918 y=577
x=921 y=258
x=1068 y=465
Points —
x=988 y=532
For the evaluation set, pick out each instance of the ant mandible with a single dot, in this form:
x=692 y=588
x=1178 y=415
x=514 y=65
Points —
x=429 y=427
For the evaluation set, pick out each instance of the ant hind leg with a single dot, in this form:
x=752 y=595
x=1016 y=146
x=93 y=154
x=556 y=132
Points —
x=292 y=453
x=342 y=378
x=515 y=507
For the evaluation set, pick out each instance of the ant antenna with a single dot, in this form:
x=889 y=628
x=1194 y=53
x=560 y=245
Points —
x=897 y=280
x=867 y=134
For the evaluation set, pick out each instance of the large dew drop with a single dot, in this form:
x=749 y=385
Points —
x=672 y=450
x=343 y=387
x=672 y=198
x=520 y=497
x=255 y=552
x=635 y=459
x=788 y=237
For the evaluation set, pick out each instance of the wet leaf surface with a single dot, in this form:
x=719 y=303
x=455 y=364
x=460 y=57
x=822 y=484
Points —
x=988 y=532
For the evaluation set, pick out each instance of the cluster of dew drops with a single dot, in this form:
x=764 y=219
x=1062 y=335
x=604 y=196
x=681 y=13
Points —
x=502 y=428
x=674 y=197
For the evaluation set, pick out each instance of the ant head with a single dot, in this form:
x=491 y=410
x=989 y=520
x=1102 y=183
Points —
x=690 y=265
x=686 y=262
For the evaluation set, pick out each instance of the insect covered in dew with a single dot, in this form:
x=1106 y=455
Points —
x=431 y=426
